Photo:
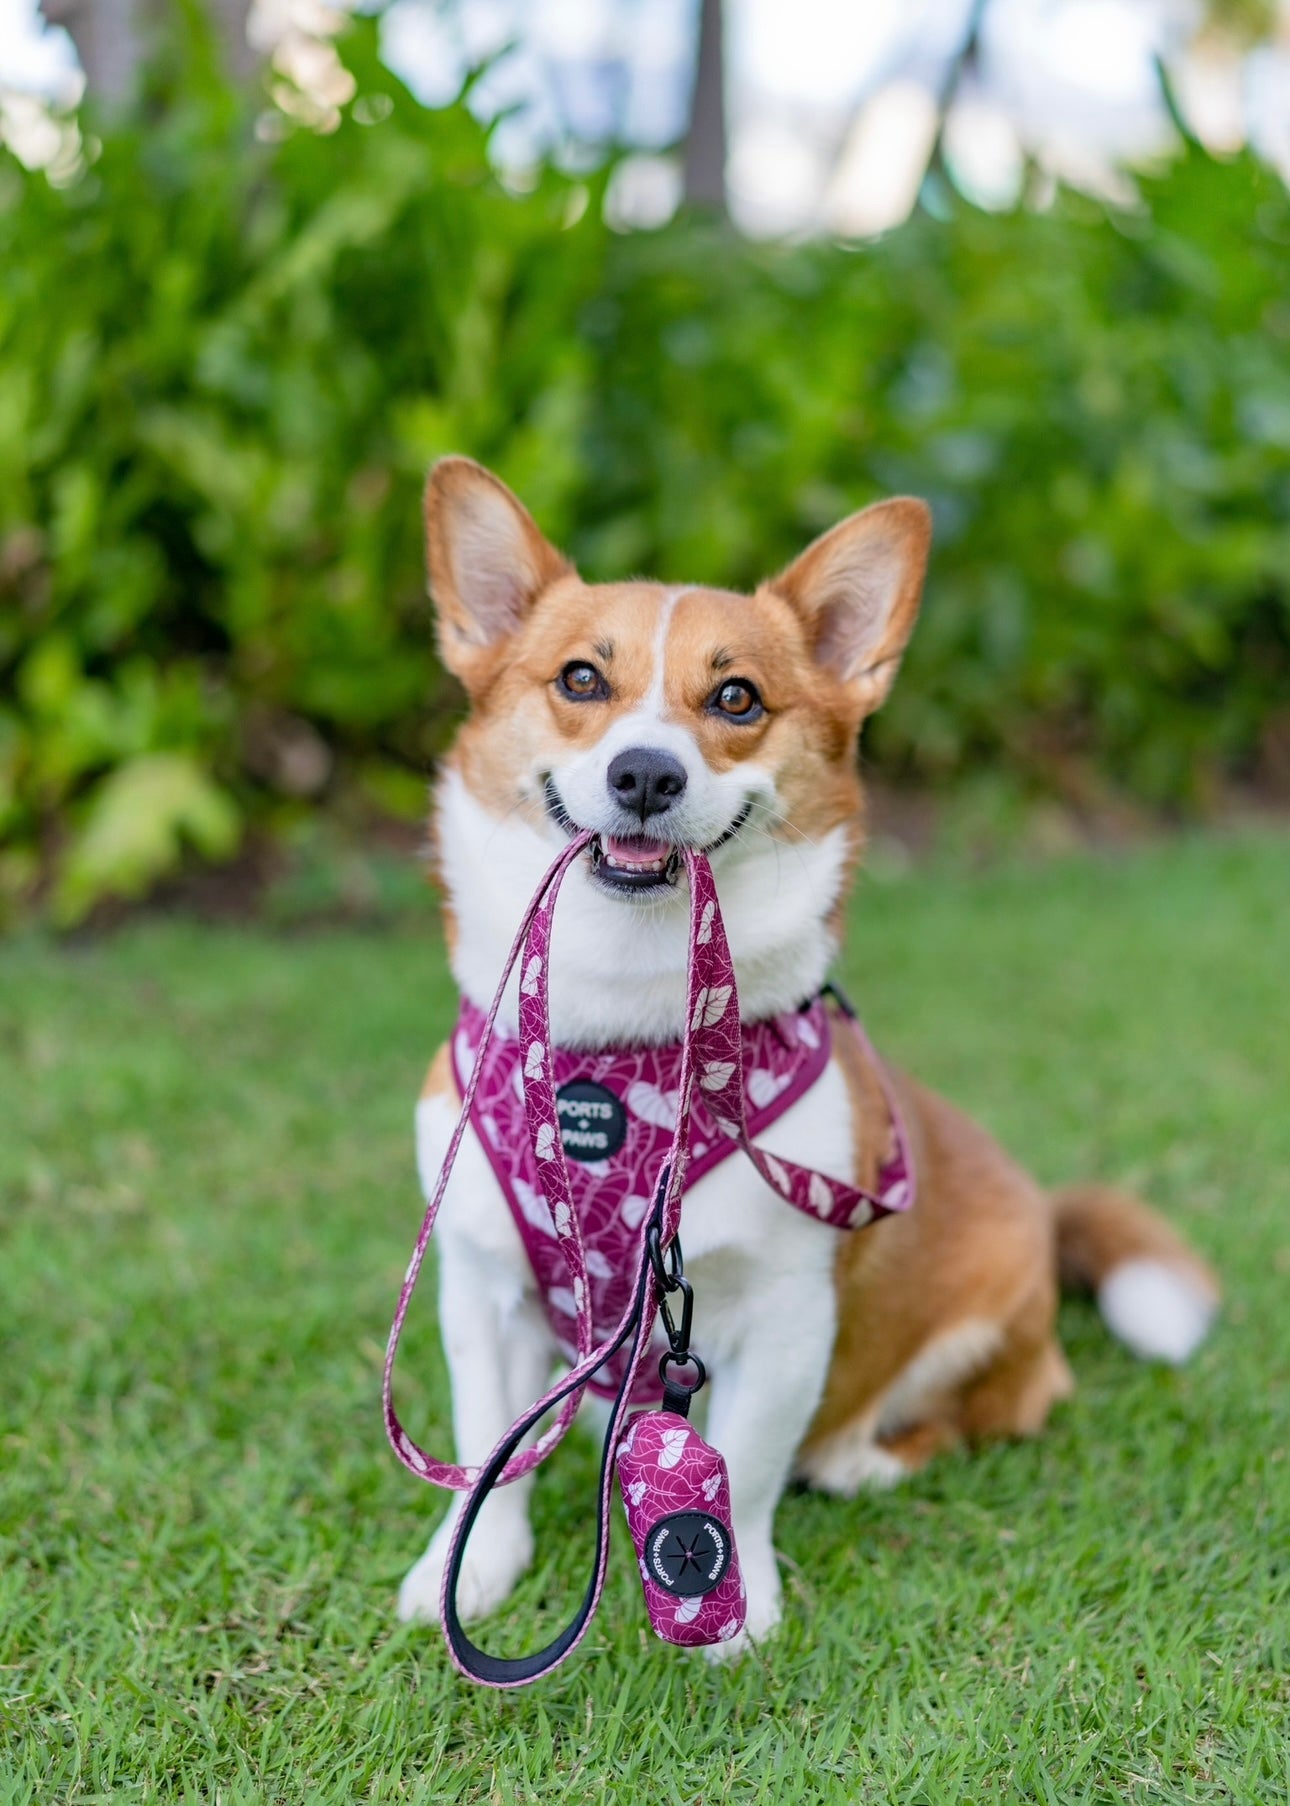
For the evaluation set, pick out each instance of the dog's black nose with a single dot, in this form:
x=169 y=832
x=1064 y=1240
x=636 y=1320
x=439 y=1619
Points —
x=645 y=780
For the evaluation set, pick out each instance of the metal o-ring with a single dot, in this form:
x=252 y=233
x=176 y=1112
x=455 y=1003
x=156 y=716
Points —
x=689 y=1359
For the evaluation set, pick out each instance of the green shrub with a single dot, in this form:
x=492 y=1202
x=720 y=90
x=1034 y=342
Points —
x=225 y=362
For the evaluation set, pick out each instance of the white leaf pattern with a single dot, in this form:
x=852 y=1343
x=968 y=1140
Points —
x=533 y=1205
x=412 y=1454
x=636 y=1491
x=711 y=1486
x=820 y=1194
x=764 y=1087
x=652 y=1105
x=532 y=973
x=705 y=923
x=533 y=1064
x=687 y=1610
x=715 y=1006
x=545 y=1142
x=632 y=1211
x=897 y=1195
x=716 y=1075
x=673 y=1447
x=778 y=1177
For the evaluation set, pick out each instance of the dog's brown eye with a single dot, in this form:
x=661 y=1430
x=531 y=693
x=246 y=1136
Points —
x=738 y=700
x=583 y=682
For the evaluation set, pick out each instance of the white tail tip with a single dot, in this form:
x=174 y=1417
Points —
x=1159 y=1311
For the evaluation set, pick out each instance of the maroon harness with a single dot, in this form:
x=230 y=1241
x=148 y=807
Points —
x=617 y=1116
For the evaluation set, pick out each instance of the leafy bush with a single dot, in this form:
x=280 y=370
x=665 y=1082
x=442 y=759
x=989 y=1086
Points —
x=1098 y=407
x=225 y=362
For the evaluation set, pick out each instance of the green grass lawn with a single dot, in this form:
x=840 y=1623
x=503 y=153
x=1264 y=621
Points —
x=208 y=1199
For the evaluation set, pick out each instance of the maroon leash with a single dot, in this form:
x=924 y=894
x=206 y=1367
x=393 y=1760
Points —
x=662 y=1459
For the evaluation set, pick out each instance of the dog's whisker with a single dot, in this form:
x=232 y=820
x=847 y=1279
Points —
x=778 y=815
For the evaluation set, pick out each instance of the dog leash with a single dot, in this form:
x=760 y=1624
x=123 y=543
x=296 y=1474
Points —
x=661 y=1459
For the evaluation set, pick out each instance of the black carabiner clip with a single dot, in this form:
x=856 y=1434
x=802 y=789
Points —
x=669 y=1271
x=669 y=1267
x=678 y=1334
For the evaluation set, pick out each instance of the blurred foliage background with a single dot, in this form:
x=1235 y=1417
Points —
x=226 y=361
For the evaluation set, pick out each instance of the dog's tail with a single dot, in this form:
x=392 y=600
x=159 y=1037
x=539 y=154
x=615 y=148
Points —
x=1154 y=1294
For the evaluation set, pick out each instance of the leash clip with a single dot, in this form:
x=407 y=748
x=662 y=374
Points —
x=669 y=1270
x=678 y=1334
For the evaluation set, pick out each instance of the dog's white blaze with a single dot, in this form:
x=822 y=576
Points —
x=655 y=702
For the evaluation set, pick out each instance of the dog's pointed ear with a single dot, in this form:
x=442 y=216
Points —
x=857 y=588
x=488 y=563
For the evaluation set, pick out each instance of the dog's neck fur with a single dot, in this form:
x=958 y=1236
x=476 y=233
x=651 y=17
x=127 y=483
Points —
x=618 y=968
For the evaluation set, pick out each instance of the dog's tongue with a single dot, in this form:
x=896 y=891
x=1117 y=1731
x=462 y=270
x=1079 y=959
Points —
x=633 y=852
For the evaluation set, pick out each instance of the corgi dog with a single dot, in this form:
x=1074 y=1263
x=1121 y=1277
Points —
x=663 y=717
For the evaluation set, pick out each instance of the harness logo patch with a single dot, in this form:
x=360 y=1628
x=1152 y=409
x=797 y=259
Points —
x=593 y=1122
x=688 y=1553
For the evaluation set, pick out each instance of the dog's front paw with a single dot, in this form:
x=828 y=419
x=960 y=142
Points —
x=763 y=1615
x=754 y=1633
x=489 y=1571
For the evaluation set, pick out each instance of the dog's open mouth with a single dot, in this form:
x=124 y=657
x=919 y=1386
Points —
x=634 y=863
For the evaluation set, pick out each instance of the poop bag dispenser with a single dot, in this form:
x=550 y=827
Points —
x=677 y=1496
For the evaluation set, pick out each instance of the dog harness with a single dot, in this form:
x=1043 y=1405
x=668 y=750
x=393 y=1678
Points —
x=616 y=1115
x=676 y=1491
